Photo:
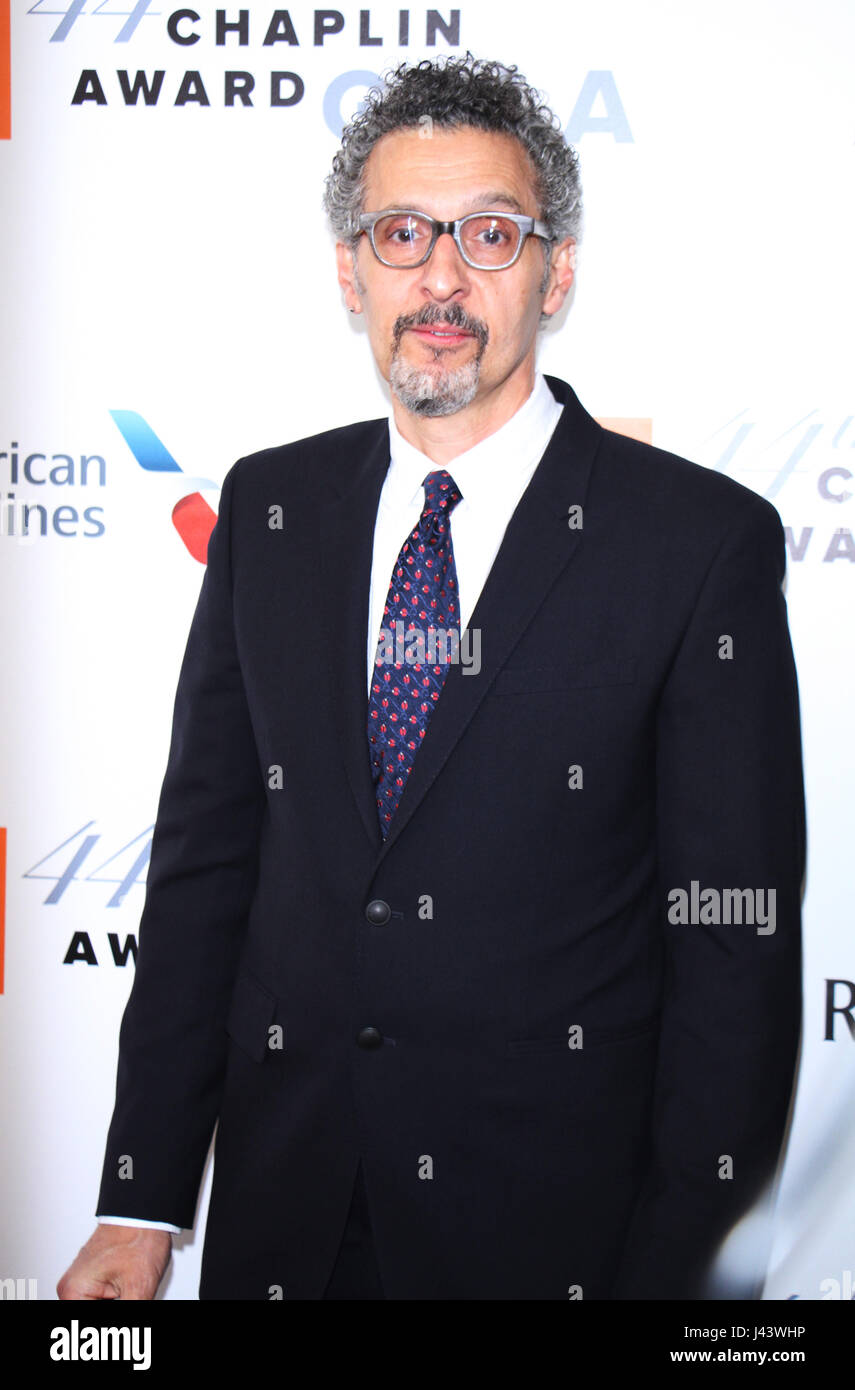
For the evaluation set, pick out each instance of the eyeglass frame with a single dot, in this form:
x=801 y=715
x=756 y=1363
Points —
x=529 y=226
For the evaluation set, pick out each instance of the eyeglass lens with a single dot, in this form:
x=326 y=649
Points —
x=489 y=239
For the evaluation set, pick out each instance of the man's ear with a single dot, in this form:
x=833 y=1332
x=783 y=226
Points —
x=561 y=275
x=348 y=277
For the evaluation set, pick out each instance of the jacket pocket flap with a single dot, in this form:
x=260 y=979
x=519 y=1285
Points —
x=251 y=1013
x=522 y=680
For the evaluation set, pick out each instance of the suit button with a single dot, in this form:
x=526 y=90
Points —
x=370 y=1038
x=378 y=912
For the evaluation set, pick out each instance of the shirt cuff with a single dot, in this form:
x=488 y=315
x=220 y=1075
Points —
x=134 y=1221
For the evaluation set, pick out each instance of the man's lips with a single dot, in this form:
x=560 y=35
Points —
x=438 y=333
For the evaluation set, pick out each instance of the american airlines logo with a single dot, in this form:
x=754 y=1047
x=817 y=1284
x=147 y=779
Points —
x=192 y=516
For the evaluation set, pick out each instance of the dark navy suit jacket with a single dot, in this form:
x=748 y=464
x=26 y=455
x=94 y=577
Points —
x=521 y=907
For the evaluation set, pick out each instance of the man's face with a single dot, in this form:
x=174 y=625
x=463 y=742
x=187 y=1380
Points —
x=443 y=333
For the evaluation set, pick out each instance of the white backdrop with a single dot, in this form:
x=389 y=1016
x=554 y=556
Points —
x=172 y=260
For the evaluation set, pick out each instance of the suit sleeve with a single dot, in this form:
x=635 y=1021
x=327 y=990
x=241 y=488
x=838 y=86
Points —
x=730 y=815
x=201 y=880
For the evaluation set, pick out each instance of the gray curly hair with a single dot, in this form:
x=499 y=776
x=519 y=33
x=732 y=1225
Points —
x=458 y=91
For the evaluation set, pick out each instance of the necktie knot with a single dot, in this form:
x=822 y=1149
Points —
x=441 y=493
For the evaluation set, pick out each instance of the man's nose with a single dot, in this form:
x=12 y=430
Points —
x=445 y=273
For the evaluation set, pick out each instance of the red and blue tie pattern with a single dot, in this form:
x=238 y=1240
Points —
x=423 y=594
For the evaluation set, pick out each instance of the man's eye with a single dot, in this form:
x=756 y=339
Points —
x=493 y=236
x=402 y=231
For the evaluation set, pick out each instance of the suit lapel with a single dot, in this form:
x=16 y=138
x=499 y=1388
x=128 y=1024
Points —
x=347 y=549
x=537 y=546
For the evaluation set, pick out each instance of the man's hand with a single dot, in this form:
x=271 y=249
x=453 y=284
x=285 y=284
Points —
x=118 y=1262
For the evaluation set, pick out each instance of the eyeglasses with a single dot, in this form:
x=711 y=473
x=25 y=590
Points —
x=485 y=240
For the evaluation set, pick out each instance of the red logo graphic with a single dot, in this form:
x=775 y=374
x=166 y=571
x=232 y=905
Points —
x=2 y=905
x=5 y=72
x=194 y=521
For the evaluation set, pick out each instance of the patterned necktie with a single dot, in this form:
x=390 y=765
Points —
x=423 y=595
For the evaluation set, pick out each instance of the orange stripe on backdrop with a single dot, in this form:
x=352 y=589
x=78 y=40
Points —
x=2 y=904
x=5 y=72
x=634 y=427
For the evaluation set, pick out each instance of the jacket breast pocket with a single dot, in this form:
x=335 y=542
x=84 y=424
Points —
x=530 y=680
x=592 y=1038
x=251 y=1021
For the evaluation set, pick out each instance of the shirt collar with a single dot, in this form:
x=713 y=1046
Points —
x=485 y=471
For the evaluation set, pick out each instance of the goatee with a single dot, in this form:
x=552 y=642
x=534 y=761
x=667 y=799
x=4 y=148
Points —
x=437 y=390
x=434 y=392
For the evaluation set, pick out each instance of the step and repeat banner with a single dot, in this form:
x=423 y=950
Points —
x=170 y=303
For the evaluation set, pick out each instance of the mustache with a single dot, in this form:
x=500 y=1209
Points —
x=432 y=314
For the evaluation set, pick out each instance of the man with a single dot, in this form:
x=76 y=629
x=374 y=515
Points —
x=488 y=968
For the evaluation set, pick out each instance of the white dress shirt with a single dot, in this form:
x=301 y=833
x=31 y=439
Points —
x=491 y=477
